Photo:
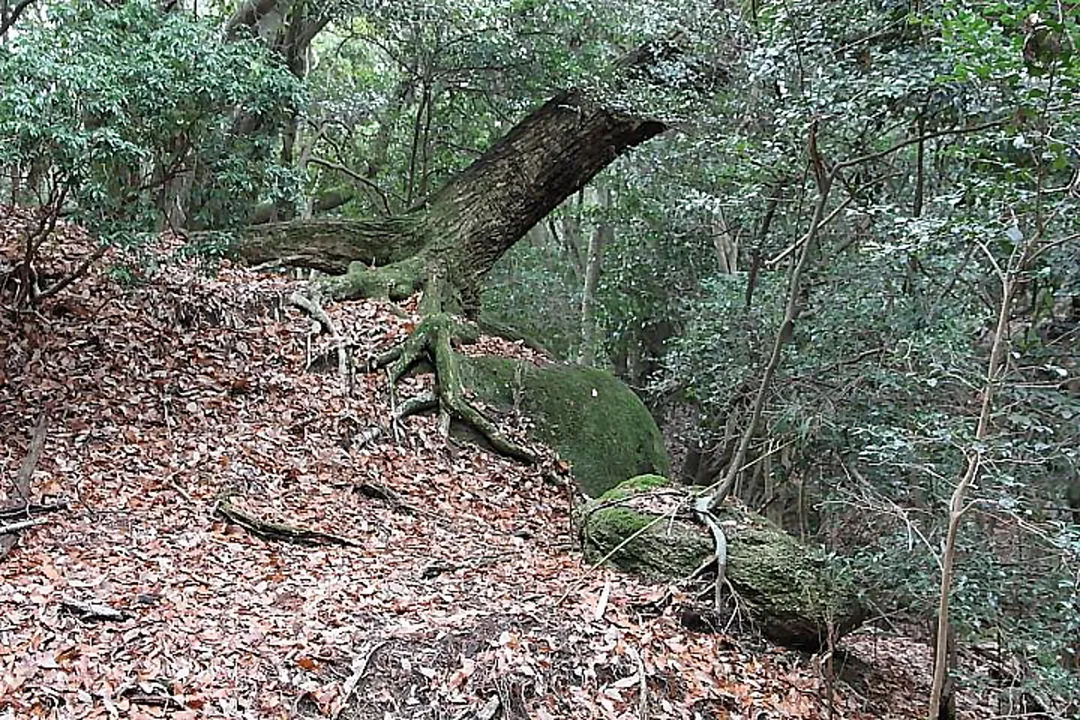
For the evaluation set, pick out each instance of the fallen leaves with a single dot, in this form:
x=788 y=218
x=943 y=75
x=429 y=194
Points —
x=459 y=593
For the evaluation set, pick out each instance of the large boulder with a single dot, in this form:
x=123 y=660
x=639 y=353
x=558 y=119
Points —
x=793 y=590
x=593 y=420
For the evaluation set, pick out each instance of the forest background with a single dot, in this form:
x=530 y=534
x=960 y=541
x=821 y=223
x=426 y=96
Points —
x=857 y=237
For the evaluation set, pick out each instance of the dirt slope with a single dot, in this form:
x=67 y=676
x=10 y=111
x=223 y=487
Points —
x=462 y=595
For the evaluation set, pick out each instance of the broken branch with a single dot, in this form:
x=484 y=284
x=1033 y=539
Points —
x=21 y=525
x=278 y=531
x=93 y=611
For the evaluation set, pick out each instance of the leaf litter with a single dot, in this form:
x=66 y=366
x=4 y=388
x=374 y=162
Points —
x=463 y=597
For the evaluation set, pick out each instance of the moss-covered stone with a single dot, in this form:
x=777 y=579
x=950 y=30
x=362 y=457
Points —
x=792 y=590
x=657 y=546
x=636 y=485
x=594 y=421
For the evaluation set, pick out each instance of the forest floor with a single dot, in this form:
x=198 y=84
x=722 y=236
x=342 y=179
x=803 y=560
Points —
x=461 y=593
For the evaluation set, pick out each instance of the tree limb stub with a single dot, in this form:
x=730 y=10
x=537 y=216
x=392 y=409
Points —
x=94 y=611
x=21 y=483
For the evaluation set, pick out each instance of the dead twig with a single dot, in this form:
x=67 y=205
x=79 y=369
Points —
x=643 y=688
x=93 y=611
x=171 y=480
x=278 y=531
x=21 y=525
x=27 y=511
x=167 y=702
x=33 y=456
x=490 y=708
x=22 y=482
x=314 y=308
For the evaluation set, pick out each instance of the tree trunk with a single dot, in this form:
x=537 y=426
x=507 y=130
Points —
x=458 y=234
x=601 y=235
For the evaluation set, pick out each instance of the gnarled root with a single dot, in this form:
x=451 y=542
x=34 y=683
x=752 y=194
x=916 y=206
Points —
x=396 y=281
x=431 y=343
x=311 y=305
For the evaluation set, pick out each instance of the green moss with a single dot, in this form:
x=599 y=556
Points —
x=594 y=421
x=660 y=549
x=396 y=281
x=792 y=589
x=636 y=485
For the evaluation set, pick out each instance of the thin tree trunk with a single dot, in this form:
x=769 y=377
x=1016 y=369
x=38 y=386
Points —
x=958 y=502
x=726 y=244
x=599 y=237
x=786 y=330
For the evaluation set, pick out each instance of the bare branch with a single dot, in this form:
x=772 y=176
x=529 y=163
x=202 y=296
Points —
x=355 y=176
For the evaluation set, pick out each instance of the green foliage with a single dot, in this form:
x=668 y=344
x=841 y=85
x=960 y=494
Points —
x=106 y=106
x=878 y=386
x=863 y=430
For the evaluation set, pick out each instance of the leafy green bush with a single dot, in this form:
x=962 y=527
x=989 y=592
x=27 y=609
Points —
x=115 y=114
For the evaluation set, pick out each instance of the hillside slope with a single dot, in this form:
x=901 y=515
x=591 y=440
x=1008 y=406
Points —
x=460 y=593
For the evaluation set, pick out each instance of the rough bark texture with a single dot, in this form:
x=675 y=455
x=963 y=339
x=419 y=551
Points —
x=331 y=245
x=547 y=157
x=465 y=227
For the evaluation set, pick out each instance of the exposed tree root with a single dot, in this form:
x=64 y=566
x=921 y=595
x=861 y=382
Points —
x=703 y=510
x=311 y=305
x=412 y=406
x=277 y=531
x=431 y=343
x=397 y=281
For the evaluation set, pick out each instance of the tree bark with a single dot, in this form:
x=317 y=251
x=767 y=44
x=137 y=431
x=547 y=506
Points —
x=601 y=236
x=458 y=234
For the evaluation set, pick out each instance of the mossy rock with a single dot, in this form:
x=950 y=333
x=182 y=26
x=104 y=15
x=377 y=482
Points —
x=791 y=589
x=588 y=416
x=668 y=545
